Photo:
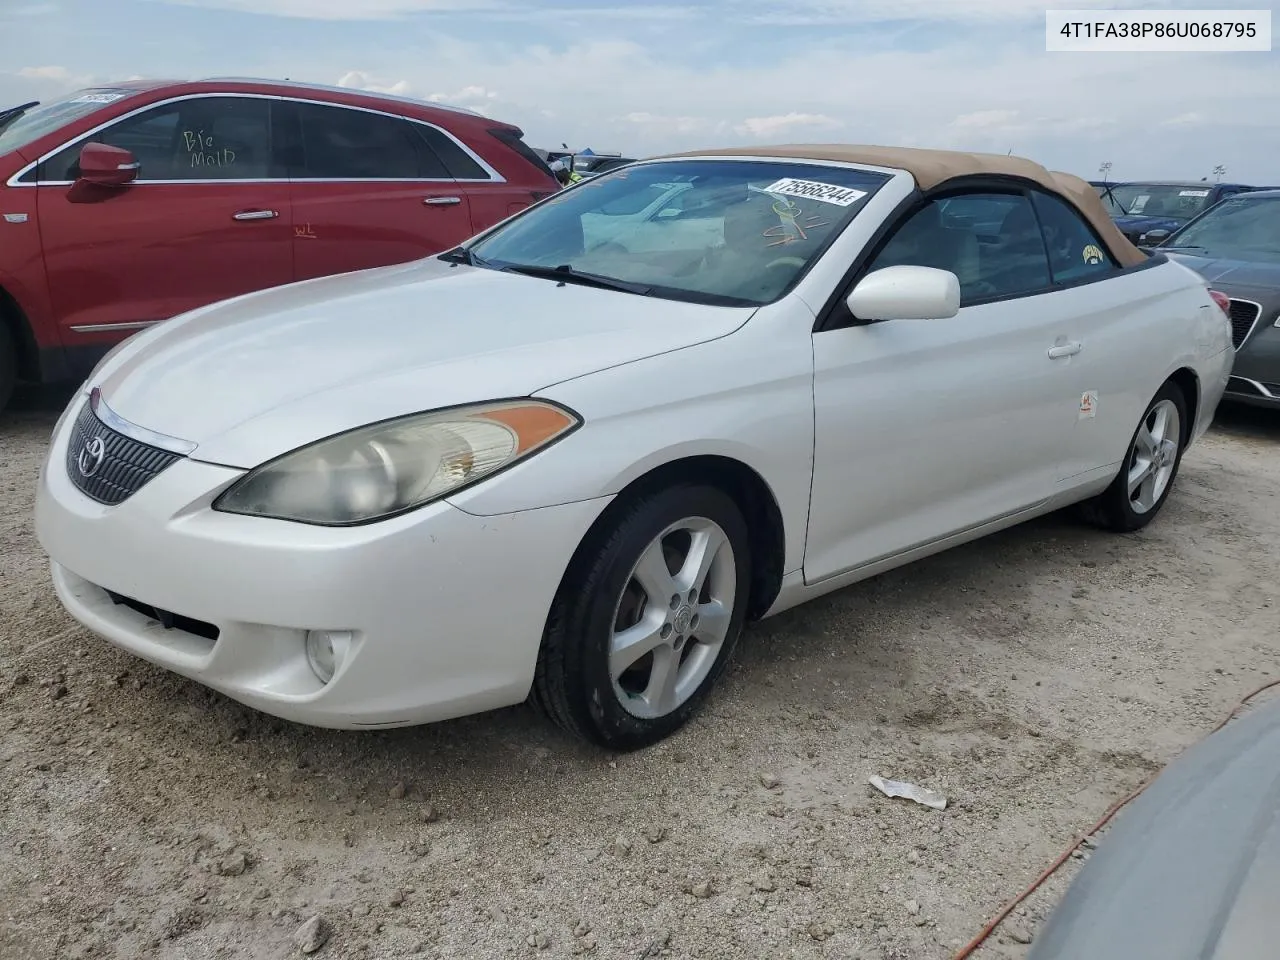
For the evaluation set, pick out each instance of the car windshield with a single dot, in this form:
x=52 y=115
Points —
x=732 y=232
x=36 y=122
x=1241 y=228
x=1163 y=200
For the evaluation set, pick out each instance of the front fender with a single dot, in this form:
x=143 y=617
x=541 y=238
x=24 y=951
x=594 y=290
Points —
x=747 y=397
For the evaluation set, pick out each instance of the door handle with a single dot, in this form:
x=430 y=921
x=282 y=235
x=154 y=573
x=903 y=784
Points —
x=1065 y=350
x=255 y=215
x=442 y=201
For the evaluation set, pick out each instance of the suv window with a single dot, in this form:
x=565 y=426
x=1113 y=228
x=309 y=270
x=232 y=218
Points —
x=1075 y=252
x=205 y=138
x=990 y=241
x=458 y=163
x=340 y=143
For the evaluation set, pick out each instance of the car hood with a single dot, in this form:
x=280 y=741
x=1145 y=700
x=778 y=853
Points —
x=254 y=377
x=1191 y=871
x=1242 y=279
x=1131 y=223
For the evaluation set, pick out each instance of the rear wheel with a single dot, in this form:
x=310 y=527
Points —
x=646 y=620
x=8 y=365
x=1150 y=466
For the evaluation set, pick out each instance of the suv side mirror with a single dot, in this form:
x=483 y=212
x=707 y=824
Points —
x=106 y=166
x=906 y=293
x=1154 y=236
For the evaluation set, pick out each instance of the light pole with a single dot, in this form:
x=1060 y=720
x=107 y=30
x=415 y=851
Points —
x=1219 y=171
x=1104 y=169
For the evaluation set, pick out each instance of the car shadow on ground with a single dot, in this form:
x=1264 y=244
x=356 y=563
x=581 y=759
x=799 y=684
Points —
x=1239 y=420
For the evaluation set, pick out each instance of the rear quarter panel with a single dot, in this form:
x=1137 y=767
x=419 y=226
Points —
x=1142 y=327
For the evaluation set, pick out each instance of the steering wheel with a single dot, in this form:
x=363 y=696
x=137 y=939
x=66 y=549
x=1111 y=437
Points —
x=785 y=262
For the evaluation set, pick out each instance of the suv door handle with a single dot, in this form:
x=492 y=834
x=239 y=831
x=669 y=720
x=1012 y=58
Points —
x=1065 y=350
x=255 y=215
x=442 y=201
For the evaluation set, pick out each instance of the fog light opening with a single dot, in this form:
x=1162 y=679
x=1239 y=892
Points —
x=326 y=652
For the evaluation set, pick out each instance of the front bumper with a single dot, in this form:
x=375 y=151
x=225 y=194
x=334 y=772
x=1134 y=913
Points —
x=446 y=608
x=1255 y=376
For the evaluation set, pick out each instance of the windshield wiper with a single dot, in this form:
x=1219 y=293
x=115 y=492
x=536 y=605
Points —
x=464 y=255
x=13 y=113
x=457 y=255
x=1112 y=197
x=1181 y=246
x=566 y=274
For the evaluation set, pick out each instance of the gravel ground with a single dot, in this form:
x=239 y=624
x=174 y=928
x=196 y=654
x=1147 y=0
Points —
x=1033 y=678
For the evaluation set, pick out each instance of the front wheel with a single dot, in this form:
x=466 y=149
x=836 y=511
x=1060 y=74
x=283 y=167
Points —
x=647 y=618
x=1150 y=466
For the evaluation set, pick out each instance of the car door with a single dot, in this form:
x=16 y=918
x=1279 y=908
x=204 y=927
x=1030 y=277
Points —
x=368 y=191
x=1109 y=365
x=927 y=428
x=207 y=218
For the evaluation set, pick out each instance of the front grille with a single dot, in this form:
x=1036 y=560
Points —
x=166 y=618
x=108 y=466
x=1243 y=316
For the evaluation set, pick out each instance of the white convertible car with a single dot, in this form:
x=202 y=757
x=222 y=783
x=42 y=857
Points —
x=539 y=468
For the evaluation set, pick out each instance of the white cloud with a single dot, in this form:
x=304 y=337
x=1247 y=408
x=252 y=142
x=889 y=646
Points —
x=925 y=12
x=341 y=9
x=402 y=9
x=664 y=124
x=985 y=120
x=53 y=79
x=1183 y=120
x=45 y=73
x=761 y=127
x=359 y=80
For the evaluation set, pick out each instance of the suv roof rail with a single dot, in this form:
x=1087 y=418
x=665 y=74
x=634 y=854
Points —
x=335 y=88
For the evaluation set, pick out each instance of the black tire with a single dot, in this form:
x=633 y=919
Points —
x=572 y=683
x=8 y=366
x=1113 y=509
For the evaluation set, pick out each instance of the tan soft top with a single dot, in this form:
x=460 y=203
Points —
x=931 y=168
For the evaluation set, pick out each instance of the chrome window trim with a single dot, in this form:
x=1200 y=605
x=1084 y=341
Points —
x=493 y=175
x=120 y=425
x=123 y=325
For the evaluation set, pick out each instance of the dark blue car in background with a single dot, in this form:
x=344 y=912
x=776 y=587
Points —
x=1148 y=211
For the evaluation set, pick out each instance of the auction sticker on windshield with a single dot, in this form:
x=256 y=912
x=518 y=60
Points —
x=812 y=189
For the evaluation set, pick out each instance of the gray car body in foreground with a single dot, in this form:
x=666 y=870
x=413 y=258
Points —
x=1255 y=378
x=1191 y=871
x=1254 y=288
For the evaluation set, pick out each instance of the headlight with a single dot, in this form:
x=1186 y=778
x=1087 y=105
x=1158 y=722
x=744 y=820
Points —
x=387 y=468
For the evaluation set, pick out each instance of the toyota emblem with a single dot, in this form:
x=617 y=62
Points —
x=91 y=456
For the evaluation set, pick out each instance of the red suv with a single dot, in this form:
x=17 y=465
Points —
x=124 y=205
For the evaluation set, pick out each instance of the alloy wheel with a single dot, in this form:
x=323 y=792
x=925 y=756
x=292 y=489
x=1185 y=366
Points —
x=1154 y=456
x=673 y=617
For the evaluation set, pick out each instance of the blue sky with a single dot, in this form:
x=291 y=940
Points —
x=652 y=75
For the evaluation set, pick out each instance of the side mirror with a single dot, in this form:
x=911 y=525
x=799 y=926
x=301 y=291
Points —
x=1154 y=236
x=906 y=293
x=106 y=166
